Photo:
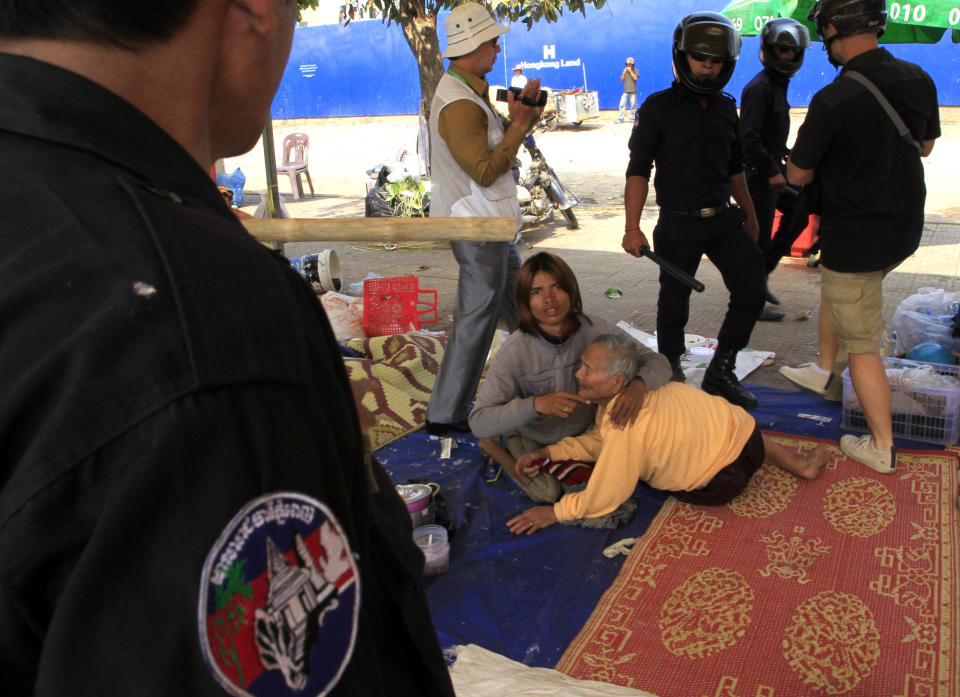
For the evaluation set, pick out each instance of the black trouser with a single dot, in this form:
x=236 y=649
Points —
x=794 y=218
x=684 y=240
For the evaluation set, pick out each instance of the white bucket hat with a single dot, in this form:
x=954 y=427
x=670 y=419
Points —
x=468 y=26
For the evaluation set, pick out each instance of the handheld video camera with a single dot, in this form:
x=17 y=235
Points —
x=541 y=100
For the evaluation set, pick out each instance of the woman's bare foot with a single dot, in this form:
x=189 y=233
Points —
x=813 y=462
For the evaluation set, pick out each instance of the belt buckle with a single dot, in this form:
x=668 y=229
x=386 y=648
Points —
x=708 y=212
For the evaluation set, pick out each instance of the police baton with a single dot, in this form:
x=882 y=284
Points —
x=679 y=274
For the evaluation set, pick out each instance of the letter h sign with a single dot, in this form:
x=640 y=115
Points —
x=549 y=52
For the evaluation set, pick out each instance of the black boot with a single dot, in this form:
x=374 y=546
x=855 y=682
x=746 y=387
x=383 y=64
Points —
x=770 y=297
x=719 y=379
x=678 y=374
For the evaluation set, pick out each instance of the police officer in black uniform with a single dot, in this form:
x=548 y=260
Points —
x=691 y=131
x=764 y=127
x=186 y=505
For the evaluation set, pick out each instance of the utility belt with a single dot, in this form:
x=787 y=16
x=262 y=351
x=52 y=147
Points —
x=707 y=212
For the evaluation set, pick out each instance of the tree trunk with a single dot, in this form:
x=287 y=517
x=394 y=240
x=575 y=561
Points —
x=421 y=34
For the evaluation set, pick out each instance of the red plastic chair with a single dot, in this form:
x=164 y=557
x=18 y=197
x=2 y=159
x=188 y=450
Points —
x=295 y=150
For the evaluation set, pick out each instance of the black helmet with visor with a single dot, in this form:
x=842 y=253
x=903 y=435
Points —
x=783 y=33
x=703 y=36
x=850 y=17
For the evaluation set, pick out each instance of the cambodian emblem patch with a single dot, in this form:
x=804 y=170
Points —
x=279 y=599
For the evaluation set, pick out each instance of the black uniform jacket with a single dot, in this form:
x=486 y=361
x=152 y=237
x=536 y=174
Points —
x=764 y=123
x=177 y=436
x=696 y=147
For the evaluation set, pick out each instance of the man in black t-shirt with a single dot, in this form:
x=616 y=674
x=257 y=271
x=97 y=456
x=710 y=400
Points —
x=872 y=188
x=691 y=131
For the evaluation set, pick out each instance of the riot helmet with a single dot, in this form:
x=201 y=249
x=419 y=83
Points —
x=850 y=17
x=705 y=35
x=783 y=33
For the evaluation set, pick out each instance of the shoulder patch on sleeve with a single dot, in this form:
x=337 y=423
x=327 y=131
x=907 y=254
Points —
x=279 y=599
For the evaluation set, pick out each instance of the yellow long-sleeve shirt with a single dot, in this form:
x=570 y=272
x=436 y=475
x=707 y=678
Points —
x=680 y=439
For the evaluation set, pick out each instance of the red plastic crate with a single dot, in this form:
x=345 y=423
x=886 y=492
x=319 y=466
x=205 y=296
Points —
x=390 y=305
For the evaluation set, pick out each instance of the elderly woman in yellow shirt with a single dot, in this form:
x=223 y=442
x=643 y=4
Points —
x=699 y=447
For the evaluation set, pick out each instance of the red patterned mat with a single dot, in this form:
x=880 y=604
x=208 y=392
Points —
x=846 y=585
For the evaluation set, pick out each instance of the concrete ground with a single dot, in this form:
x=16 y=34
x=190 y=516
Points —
x=591 y=161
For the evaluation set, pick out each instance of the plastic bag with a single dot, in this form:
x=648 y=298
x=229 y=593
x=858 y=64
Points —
x=263 y=211
x=345 y=314
x=925 y=317
x=235 y=183
x=375 y=205
x=398 y=192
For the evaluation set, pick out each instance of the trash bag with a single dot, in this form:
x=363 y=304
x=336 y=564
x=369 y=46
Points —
x=375 y=205
x=926 y=317
x=235 y=183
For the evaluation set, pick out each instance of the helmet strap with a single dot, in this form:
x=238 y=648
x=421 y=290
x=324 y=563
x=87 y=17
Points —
x=827 y=43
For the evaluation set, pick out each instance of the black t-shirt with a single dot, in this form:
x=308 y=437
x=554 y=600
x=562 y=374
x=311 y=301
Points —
x=696 y=148
x=179 y=446
x=870 y=180
x=765 y=122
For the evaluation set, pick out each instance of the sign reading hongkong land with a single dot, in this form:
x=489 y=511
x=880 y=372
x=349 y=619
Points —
x=550 y=61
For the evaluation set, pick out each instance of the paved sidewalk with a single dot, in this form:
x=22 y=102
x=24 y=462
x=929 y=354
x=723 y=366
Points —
x=591 y=162
x=593 y=251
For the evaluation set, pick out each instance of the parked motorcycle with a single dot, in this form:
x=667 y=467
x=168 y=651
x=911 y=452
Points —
x=540 y=191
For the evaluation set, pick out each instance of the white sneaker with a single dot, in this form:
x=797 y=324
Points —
x=806 y=377
x=861 y=449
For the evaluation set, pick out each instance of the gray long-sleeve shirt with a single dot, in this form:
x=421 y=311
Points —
x=529 y=366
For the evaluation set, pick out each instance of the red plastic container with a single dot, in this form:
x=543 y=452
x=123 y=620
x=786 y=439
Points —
x=391 y=305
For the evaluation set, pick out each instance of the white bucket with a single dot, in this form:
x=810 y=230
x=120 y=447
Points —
x=328 y=270
x=321 y=270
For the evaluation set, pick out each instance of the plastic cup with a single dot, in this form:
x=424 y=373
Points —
x=701 y=354
x=432 y=541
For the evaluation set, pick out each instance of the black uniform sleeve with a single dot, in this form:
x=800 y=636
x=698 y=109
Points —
x=110 y=603
x=736 y=145
x=754 y=105
x=932 y=130
x=814 y=136
x=643 y=141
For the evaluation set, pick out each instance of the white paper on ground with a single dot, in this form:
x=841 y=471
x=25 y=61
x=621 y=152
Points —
x=748 y=359
x=482 y=673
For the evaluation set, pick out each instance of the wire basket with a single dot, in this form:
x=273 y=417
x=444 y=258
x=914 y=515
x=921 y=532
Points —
x=918 y=412
x=392 y=305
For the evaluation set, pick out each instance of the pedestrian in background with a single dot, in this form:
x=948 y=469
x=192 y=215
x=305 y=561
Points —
x=628 y=100
x=519 y=80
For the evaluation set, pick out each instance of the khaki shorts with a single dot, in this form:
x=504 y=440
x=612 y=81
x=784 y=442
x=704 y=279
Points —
x=855 y=302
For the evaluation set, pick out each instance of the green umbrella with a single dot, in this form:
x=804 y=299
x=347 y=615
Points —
x=921 y=23
x=749 y=16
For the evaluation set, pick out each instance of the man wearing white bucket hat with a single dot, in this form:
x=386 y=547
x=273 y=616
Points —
x=472 y=152
x=519 y=80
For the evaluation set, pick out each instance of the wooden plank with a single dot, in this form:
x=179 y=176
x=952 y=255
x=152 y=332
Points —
x=381 y=229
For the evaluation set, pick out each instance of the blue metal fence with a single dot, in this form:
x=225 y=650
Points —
x=367 y=68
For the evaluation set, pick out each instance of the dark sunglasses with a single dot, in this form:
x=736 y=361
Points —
x=704 y=58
